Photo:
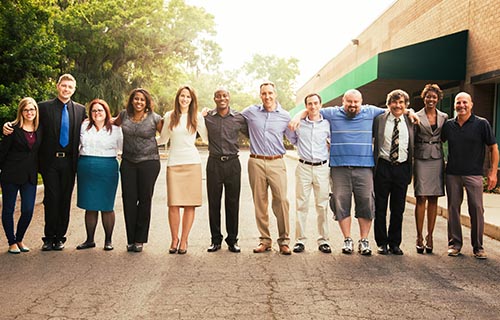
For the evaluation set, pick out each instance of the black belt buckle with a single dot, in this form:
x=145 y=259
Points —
x=313 y=163
x=224 y=158
x=60 y=154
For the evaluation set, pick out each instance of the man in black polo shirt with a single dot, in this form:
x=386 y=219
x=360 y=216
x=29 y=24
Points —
x=224 y=169
x=467 y=136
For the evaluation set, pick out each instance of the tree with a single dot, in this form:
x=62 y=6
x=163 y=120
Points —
x=282 y=72
x=29 y=51
x=113 y=46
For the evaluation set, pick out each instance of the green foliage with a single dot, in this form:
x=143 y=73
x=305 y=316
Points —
x=113 y=46
x=29 y=52
x=282 y=72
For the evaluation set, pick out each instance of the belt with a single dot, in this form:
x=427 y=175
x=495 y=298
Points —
x=62 y=154
x=429 y=142
x=224 y=157
x=313 y=163
x=258 y=156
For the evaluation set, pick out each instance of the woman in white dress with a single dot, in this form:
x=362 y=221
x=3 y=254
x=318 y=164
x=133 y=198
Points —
x=183 y=165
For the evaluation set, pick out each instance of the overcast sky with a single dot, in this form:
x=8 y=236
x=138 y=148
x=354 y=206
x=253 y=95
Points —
x=313 y=31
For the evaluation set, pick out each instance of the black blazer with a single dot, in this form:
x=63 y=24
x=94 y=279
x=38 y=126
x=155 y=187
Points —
x=378 y=134
x=19 y=163
x=50 y=142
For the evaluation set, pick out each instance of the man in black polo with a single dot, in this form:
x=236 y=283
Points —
x=224 y=169
x=467 y=136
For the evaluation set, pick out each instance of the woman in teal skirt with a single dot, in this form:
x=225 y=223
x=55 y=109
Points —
x=97 y=171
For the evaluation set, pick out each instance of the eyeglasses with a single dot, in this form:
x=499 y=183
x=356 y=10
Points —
x=98 y=111
x=29 y=110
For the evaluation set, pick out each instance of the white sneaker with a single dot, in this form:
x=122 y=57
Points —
x=348 y=245
x=364 y=247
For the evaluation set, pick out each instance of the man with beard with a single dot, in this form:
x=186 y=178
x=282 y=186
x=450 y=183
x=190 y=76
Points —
x=351 y=163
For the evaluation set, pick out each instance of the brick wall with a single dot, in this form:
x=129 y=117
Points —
x=411 y=21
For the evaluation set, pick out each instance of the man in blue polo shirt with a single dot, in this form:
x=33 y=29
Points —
x=467 y=136
x=351 y=165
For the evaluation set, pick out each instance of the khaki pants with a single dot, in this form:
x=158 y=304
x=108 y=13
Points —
x=264 y=174
x=312 y=178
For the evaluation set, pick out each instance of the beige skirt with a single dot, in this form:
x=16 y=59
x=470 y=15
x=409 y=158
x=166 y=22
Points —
x=184 y=185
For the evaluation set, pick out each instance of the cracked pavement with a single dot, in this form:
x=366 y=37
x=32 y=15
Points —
x=97 y=284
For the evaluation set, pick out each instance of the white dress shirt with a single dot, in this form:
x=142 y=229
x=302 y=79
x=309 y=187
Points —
x=403 y=139
x=100 y=143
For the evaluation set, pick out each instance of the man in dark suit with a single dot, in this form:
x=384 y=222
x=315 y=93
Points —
x=393 y=152
x=60 y=119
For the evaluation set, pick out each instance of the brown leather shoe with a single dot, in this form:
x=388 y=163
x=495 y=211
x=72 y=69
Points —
x=285 y=249
x=262 y=248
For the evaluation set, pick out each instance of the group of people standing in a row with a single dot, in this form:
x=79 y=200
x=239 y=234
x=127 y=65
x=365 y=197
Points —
x=375 y=152
x=353 y=149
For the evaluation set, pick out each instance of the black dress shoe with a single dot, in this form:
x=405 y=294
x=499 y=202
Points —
x=325 y=248
x=396 y=250
x=214 y=247
x=58 y=245
x=47 y=245
x=130 y=247
x=108 y=246
x=85 y=245
x=298 y=247
x=382 y=249
x=138 y=247
x=234 y=248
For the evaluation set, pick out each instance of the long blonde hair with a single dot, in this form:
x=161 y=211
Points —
x=175 y=116
x=25 y=102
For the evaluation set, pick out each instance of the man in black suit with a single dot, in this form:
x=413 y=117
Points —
x=61 y=120
x=393 y=152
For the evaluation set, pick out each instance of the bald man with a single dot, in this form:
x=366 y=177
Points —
x=351 y=165
x=467 y=136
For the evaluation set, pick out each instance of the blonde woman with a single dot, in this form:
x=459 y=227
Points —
x=19 y=167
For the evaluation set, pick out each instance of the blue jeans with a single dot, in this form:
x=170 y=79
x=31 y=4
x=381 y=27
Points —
x=9 y=195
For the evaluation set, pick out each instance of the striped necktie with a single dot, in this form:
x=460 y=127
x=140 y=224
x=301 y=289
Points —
x=394 y=155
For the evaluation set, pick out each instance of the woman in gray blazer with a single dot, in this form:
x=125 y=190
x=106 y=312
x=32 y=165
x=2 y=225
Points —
x=428 y=164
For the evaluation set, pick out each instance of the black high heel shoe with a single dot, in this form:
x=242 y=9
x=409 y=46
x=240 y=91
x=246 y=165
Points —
x=173 y=250
x=182 y=251
x=428 y=244
x=420 y=245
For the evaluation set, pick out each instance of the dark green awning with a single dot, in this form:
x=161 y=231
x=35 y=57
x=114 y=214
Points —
x=439 y=59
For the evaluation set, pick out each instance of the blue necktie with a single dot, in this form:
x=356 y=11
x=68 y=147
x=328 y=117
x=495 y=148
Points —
x=64 y=134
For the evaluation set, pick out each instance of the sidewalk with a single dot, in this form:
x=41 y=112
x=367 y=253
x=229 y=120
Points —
x=491 y=207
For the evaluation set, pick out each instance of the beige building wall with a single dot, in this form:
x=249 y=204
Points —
x=408 y=22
